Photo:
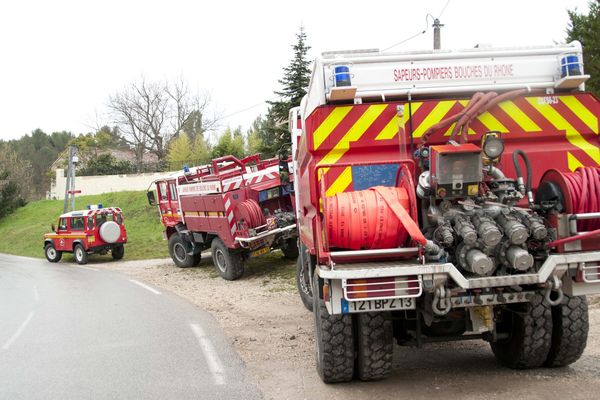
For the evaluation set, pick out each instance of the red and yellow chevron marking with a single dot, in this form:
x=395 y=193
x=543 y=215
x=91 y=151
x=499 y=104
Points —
x=567 y=124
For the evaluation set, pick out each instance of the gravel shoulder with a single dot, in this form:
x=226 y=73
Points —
x=264 y=318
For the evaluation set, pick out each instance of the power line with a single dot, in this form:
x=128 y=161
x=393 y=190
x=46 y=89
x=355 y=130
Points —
x=423 y=31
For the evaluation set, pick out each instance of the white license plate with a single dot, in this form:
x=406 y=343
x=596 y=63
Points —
x=381 y=305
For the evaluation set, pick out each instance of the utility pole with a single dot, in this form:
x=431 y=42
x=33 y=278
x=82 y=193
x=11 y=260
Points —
x=70 y=184
x=437 y=39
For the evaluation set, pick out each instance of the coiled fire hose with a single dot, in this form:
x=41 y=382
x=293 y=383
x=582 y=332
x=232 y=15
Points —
x=371 y=219
x=250 y=212
x=582 y=187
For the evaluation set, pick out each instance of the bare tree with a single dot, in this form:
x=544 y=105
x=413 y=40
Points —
x=150 y=114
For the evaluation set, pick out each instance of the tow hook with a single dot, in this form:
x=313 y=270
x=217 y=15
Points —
x=554 y=285
x=441 y=301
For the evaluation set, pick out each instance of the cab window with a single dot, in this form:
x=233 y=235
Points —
x=90 y=223
x=77 y=224
x=62 y=224
x=119 y=219
x=173 y=191
x=162 y=189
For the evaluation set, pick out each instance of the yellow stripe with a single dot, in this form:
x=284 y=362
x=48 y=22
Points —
x=573 y=162
x=332 y=120
x=581 y=111
x=390 y=130
x=491 y=123
x=435 y=116
x=353 y=134
x=341 y=183
x=519 y=116
x=561 y=123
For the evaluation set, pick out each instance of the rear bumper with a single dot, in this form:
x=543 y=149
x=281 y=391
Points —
x=435 y=274
x=574 y=274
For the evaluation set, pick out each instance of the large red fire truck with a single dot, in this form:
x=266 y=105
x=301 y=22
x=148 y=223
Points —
x=448 y=195
x=237 y=208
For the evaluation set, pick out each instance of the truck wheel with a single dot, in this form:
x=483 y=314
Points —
x=229 y=265
x=334 y=342
x=80 y=255
x=52 y=254
x=570 y=322
x=290 y=249
x=118 y=252
x=178 y=249
x=530 y=329
x=303 y=282
x=375 y=346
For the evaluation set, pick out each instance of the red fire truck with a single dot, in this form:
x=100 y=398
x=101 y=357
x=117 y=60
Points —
x=97 y=230
x=448 y=195
x=237 y=208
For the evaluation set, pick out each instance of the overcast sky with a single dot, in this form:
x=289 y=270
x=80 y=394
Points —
x=60 y=60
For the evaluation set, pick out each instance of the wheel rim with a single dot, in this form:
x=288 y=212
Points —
x=220 y=259
x=51 y=252
x=179 y=252
x=79 y=253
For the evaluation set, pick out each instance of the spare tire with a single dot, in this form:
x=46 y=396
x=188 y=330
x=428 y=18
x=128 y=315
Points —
x=110 y=231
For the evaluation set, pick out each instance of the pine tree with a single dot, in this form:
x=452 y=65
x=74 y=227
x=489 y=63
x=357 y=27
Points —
x=254 y=136
x=296 y=77
x=586 y=29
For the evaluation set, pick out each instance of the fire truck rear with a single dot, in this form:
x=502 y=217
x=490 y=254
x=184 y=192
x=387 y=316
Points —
x=237 y=208
x=448 y=195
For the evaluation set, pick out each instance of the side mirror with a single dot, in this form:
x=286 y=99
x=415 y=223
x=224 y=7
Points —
x=53 y=228
x=151 y=198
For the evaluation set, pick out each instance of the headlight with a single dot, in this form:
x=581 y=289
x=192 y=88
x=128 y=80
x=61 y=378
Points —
x=493 y=147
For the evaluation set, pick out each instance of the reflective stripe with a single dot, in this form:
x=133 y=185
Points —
x=560 y=123
x=333 y=119
x=519 y=116
x=341 y=183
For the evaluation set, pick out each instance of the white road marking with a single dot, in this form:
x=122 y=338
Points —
x=212 y=359
x=144 y=286
x=81 y=266
x=36 y=294
x=16 y=335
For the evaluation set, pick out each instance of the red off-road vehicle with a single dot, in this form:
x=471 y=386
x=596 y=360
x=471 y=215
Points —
x=93 y=231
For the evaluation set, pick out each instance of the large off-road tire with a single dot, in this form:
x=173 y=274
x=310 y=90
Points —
x=303 y=281
x=290 y=249
x=179 y=251
x=374 y=346
x=80 y=255
x=117 y=252
x=570 y=322
x=334 y=337
x=228 y=264
x=530 y=329
x=51 y=253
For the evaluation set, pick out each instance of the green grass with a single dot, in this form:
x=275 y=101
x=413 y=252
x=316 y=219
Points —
x=22 y=232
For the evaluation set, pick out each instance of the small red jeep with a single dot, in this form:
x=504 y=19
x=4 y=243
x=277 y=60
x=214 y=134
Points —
x=93 y=231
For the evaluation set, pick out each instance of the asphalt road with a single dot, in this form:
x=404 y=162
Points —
x=69 y=332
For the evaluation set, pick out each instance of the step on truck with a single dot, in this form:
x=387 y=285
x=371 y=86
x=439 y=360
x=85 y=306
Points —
x=237 y=208
x=448 y=195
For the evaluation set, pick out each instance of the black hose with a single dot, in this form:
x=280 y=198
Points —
x=515 y=155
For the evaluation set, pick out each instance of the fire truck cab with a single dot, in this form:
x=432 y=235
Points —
x=448 y=195
x=96 y=230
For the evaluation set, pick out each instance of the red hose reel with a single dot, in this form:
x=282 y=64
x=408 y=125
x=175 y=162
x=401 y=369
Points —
x=377 y=218
x=580 y=191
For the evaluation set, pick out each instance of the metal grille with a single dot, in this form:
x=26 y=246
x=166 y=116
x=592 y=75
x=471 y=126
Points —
x=399 y=287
